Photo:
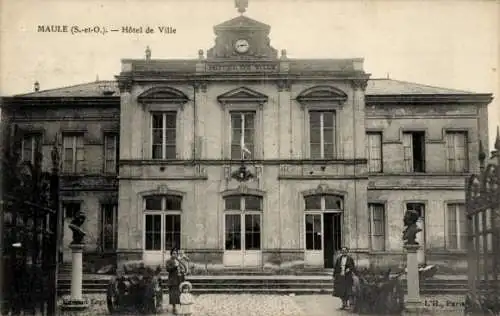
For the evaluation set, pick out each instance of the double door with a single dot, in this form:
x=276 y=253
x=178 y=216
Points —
x=242 y=239
x=162 y=233
x=323 y=238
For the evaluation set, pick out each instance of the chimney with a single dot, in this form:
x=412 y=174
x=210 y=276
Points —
x=37 y=86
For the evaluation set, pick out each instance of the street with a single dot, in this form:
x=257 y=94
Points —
x=272 y=305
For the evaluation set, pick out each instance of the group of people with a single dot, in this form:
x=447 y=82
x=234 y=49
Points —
x=181 y=299
x=179 y=290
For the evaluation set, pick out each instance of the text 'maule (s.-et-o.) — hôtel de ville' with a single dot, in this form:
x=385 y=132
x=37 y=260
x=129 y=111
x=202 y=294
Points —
x=246 y=158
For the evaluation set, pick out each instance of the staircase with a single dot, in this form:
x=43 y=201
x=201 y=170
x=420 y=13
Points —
x=260 y=283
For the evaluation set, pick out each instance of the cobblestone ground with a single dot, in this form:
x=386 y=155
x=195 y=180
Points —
x=275 y=305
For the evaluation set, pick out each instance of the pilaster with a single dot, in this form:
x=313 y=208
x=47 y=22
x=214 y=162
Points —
x=125 y=123
x=199 y=112
x=284 y=119
x=359 y=118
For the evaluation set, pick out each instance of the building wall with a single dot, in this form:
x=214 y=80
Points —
x=280 y=130
x=280 y=126
x=282 y=135
x=90 y=187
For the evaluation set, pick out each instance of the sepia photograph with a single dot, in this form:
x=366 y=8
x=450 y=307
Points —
x=249 y=157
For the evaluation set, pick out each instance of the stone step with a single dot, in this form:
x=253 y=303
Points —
x=270 y=284
x=297 y=291
x=274 y=285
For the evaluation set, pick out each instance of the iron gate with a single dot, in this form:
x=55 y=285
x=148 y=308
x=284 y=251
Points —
x=30 y=224
x=483 y=246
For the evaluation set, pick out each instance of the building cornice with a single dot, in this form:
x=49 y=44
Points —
x=146 y=162
x=171 y=78
x=113 y=101
x=413 y=99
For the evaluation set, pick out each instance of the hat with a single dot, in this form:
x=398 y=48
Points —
x=186 y=283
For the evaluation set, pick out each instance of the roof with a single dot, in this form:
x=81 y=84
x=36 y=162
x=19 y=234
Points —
x=242 y=22
x=100 y=88
x=398 y=87
x=374 y=87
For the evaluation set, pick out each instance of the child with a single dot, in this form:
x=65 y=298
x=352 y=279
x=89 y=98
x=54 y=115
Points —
x=186 y=299
x=185 y=263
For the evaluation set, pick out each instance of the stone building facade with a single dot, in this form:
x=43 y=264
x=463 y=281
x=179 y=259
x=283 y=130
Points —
x=246 y=158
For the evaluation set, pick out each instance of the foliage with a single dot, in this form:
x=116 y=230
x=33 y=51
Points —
x=29 y=246
x=487 y=304
x=378 y=293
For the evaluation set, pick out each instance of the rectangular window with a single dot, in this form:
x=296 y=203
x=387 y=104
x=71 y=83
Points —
x=377 y=226
x=73 y=153
x=456 y=238
x=31 y=143
x=110 y=153
x=322 y=134
x=164 y=128
x=313 y=231
x=109 y=227
x=242 y=135
x=456 y=151
x=414 y=151
x=374 y=151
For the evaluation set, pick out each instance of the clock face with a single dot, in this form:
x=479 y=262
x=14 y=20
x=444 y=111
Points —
x=241 y=46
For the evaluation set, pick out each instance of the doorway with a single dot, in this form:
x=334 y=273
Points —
x=332 y=237
x=242 y=231
x=162 y=227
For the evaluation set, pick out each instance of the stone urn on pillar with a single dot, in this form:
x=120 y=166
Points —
x=76 y=300
x=413 y=301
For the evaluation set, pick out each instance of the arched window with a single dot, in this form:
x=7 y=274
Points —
x=243 y=222
x=162 y=222
x=323 y=227
x=324 y=203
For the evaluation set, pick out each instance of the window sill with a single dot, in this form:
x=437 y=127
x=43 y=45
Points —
x=419 y=174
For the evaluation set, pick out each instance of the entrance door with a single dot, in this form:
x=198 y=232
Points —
x=242 y=231
x=242 y=240
x=162 y=228
x=162 y=233
x=331 y=238
x=323 y=229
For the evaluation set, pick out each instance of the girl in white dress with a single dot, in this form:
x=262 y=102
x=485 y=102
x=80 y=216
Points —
x=186 y=306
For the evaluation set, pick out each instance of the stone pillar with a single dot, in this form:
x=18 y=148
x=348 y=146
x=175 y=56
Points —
x=76 y=301
x=413 y=302
x=76 y=271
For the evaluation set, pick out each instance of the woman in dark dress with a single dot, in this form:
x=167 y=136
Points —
x=176 y=272
x=342 y=277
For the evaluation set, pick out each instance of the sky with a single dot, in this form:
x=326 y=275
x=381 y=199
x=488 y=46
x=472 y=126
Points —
x=452 y=44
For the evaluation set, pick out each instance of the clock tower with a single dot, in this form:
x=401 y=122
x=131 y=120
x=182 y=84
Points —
x=242 y=38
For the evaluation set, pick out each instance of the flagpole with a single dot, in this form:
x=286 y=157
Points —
x=242 y=138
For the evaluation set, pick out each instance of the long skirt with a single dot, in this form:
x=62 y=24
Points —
x=174 y=294
x=342 y=286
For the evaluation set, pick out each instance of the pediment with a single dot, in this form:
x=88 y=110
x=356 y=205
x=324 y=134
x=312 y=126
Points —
x=163 y=95
x=242 y=94
x=321 y=94
x=242 y=23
